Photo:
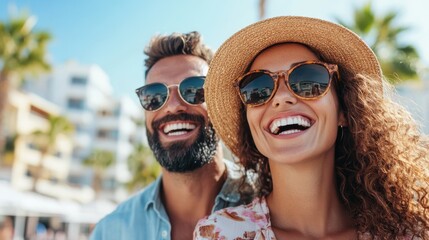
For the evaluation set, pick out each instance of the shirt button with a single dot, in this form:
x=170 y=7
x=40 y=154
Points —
x=164 y=234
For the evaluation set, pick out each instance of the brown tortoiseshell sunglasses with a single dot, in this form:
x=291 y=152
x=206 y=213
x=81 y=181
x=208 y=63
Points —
x=307 y=80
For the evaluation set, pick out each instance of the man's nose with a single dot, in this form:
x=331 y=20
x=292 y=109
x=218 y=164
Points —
x=174 y=102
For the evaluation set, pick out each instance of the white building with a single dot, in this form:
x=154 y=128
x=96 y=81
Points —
x=102 y=122
x=27 y=113
x=118 y=128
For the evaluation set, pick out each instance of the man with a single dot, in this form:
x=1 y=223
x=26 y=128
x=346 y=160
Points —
x=195 y=179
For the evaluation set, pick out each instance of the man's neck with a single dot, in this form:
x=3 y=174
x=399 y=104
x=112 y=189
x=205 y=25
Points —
x=188 y=197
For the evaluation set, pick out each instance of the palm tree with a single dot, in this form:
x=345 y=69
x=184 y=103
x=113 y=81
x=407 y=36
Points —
x=143 y=167
x=399 y=62
x=46 y=141
x=261 y=8
x=9 y=150
x=99 y=161
x=22 y=52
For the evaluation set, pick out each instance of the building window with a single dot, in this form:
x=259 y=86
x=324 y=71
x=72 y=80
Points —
x=58 y=154
x=32 y=146
x=102 y=133
x=76 y=180
x=74 y=103
x=132 y=139
x=117 y=111
x=114 y=134
x=76 y=80
x=110 y=184
x=28 y=173
x=80 y=128
x=104 y=113
x=107 y=134
x=78 y=153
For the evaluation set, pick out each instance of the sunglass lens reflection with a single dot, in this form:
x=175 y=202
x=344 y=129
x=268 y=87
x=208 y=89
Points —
x=256 y=88
x=309 y=81
x=153 y=96
x=191 y=90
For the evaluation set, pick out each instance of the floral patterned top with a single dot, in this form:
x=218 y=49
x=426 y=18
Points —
x=250 y=221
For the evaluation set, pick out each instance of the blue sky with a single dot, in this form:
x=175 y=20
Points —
x=113 y=34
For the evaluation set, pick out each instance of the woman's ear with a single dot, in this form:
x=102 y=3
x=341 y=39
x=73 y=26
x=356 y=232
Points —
x=342 y=121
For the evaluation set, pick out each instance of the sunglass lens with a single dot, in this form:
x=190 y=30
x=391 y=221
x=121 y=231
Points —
x=256 y=88
x=309 y=80
x=153 y=96
x=192 y=91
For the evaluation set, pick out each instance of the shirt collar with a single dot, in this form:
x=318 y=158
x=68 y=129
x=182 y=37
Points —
x=155 y=195
x=229 y=191
x=234 y=179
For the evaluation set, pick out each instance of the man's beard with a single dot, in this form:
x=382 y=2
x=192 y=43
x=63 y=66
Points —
x=183 y=156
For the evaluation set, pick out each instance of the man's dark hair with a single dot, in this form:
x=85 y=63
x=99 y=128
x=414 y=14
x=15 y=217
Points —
x=162 y=46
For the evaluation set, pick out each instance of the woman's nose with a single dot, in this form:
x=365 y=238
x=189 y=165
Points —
x=283 y=95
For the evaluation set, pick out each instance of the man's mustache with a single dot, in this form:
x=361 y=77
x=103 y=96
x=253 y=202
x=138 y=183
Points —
x=177 y=117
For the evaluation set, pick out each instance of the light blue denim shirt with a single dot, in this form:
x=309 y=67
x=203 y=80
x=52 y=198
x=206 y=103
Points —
x=143 y=216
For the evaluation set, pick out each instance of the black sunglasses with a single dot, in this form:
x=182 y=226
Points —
x=308 y=80
x=153 y=96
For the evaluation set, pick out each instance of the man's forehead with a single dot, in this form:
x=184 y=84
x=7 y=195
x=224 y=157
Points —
x=175 y=68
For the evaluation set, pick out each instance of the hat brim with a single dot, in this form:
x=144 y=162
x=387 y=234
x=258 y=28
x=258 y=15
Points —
x=336 y=43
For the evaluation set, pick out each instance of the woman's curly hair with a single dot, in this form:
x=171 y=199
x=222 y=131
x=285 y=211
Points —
x=381 y=161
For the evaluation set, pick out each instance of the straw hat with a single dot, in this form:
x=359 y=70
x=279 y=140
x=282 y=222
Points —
x=336 y=43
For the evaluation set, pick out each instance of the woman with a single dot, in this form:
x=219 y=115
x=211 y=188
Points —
x=343 y=162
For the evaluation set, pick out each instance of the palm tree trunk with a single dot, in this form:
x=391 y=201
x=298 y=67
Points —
x=4 y=91
x=261 y=8
x=97 y=183
x=38 y=170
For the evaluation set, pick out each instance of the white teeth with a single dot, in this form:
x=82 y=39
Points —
x=282 y=122
x=178 y=126
x=177 y=133
x=289 y=132
x=273 y=128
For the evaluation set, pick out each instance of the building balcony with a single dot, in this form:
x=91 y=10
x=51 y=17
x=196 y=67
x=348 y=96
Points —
x=109 y=122
x=82 y=139
x=106 y=144
x=82 y=117
x=78 y=91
